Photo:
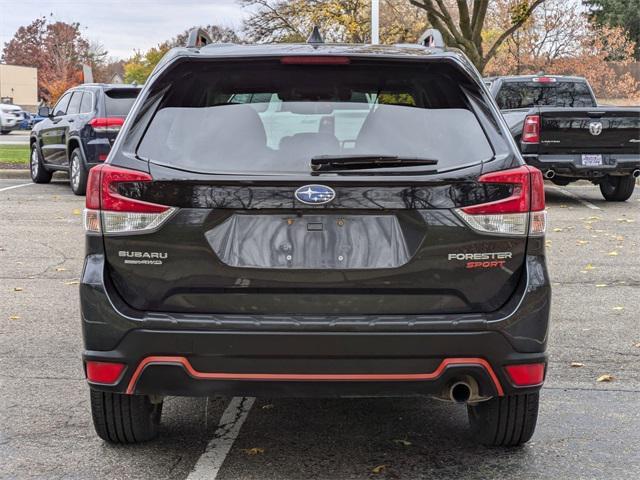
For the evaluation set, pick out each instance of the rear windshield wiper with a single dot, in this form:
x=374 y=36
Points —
x=325 y=163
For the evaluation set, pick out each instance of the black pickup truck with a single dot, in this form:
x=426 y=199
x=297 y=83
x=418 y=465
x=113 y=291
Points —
x=562 y=131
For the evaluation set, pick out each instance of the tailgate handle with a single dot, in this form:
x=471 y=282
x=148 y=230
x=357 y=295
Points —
x=595 y=114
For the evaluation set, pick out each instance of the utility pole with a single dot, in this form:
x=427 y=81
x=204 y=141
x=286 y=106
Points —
x=375 y=22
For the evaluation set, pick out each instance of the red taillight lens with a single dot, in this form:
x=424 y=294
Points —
x=313 y=60
x=521 y=212
x=104 y=372
x=107 y=124
x=527 y=185
x=526 y=375
x=531 y=129
x=110 y=212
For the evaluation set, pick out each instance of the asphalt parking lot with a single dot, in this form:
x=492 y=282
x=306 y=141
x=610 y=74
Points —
x=587 y=429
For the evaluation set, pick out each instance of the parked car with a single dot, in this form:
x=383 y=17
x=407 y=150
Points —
x=29 y=120
x=563 y=132
x=10 y=117
x=77 y=133
x=315 y=219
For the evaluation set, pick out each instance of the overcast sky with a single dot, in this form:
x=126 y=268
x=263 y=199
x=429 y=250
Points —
x=122 y=25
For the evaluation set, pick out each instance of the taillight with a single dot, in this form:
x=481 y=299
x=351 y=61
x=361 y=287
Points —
x=109 y=212
x=520 y=213
x=106 y=124
x=531 y=129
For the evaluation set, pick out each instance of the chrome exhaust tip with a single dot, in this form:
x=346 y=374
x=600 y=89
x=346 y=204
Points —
x=549 y=174
x=460 y=392
x=636 y=173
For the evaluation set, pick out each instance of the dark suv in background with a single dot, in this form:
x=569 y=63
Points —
x=315 y=219
x=77 y=133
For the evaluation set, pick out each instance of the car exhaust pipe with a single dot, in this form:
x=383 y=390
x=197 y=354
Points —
x=549 y=174
x=636 y=173
x=460 y=392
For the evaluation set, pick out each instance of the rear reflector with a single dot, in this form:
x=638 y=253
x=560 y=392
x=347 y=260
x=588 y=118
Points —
x=531 y=129
x=520 y=213
x=107 y=124
x=110 y=212
x=106 y=373
x=313 y=60
x=526 y=375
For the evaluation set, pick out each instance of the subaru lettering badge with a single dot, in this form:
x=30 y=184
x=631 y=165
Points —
x=595 y=128
x=315 y=194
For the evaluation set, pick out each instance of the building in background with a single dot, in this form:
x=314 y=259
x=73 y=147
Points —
x=19 y=85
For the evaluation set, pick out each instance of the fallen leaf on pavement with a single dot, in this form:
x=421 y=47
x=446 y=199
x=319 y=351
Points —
x=14 y=317
x=72 y=282
x=17 y=289
x=605 y=378
x=253 y=451
x=405 y=443
x=600 y=285
x=76 y=211
x=379 y=469
x=557 y=229
x=582 y=242
x=637 y=345
x=589 y=267
x=268 y=406
x=577 y=364
x=61 y=269
x=613 y=254
x=618 y=308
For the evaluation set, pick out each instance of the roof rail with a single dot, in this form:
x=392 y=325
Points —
x=431 y=38
x=198 y=37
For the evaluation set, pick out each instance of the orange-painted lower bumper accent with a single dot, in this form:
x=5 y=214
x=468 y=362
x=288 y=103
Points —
x=312 y=377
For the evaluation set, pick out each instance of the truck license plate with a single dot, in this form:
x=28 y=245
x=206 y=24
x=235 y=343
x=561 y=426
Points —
x=591 y=160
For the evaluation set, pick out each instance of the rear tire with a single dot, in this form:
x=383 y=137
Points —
x=38 y=173
x=506 y=421
x=120 y=418
x=78 y=174
x=617 y=189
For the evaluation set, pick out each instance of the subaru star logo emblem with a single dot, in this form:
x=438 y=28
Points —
x=595 y=128
x=315 y=194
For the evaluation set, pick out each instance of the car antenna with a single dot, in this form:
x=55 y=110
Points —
x=315 y=36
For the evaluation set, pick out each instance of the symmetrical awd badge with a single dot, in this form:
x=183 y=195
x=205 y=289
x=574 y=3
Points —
x=315 y=194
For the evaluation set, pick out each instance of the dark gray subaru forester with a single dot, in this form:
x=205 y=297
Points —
x=315 y=220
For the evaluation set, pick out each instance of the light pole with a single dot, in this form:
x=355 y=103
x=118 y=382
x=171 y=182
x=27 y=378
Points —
x=375 y=22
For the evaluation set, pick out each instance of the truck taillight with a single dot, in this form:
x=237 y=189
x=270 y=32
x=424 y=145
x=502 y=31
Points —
x=521 y=213
x=531 y=129
x=107 y=124
x=109 y=212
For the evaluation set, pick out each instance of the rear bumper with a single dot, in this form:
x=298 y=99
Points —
x=192 y=355
x=197 y=363
x=571 y=165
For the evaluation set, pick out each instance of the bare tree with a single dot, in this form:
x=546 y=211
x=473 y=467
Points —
x=462 y=27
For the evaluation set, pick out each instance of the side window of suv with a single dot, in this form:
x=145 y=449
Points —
x=61 y=106
x=74 y=104
x=87 y=103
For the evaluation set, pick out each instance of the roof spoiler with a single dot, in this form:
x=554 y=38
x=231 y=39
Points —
x=197 y=38
x=431 y=38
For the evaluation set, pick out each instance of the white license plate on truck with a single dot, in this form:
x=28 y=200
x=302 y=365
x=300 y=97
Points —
x=591 y=160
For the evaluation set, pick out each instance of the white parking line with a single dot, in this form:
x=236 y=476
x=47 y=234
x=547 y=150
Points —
x=16 y=186
x=209 y=463
x=576 y=197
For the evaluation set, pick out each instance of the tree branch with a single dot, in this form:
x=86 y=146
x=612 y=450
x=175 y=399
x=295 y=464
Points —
x=507 y=33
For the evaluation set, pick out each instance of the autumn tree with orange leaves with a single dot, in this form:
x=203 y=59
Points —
x=57 y=50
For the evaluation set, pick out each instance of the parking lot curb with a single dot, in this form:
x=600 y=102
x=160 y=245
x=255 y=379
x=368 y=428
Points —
x=14 y=173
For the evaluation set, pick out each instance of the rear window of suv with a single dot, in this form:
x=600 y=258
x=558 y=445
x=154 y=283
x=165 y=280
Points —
x=119 y=101
x=265 y=117
x=513 y=95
